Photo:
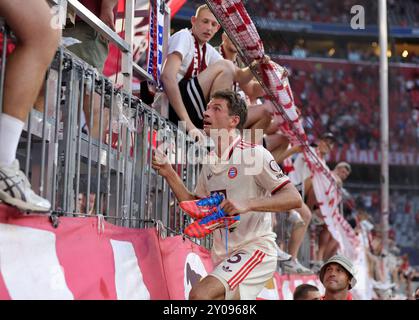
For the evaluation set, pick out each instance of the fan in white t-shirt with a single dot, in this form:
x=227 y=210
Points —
x=193 y=70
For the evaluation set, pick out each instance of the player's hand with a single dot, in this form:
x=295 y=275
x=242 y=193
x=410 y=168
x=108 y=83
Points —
x=233 y=207
x=197 y=135
x=160 y=163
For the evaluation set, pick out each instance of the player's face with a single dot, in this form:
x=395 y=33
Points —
x=335 y=278
x=217 y=116
x=204 y=26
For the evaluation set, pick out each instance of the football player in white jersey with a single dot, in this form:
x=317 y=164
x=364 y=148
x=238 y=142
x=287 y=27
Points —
x=254 y=187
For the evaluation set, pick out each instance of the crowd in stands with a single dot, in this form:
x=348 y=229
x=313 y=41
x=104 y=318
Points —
x=325 y=11
x=401 y=13
x=404 y=213
x=343 y=52
x=353 y=114
x=391 y=270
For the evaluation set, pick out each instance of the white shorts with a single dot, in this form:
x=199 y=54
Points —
x=246 y=271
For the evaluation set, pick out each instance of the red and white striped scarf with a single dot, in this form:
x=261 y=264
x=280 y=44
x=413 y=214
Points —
x=240 y=27
x=198 y=63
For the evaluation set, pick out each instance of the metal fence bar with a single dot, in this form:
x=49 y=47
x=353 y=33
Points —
x=132 y=211
x=156 y=178
x=4 y=31
x=56 y=131
x=99 y=150
x=89 y=157
x=148 y=164
x=182 y=217
x=109 y=151
x=126 y=163
x=67 y=137
x=28 y=145
x=118 y=170
x=144 y=145
x=43 y=142
x=165 y=209
x=73 y=134
x=177 y=162
x=79 y=136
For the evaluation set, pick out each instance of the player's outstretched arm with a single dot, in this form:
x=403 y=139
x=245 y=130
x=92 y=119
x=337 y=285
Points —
x=161 y=164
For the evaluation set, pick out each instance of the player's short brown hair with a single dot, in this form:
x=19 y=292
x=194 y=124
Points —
x=235 y=103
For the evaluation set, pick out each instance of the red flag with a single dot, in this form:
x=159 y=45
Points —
x=175 y=6
x=121 y=6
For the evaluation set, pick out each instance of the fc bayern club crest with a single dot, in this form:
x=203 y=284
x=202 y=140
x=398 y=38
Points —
x=232 y=172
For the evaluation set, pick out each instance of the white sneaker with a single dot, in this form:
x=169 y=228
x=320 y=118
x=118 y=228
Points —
x=316 y=266
x=294 y=266
x=281 y=255
x=383 y=286
x=16 y=190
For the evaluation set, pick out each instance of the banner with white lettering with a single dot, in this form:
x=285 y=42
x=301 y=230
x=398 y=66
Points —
x=373 y=157
x=155 y=49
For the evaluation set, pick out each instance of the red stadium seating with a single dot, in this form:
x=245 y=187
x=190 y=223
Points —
x=349 y=94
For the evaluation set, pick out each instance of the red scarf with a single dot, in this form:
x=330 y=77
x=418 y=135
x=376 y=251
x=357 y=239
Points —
x=198 y=63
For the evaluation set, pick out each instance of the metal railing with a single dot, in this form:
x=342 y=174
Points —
x=110 y=175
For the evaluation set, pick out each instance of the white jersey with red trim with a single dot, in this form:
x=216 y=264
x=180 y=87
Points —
x=243 y=172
